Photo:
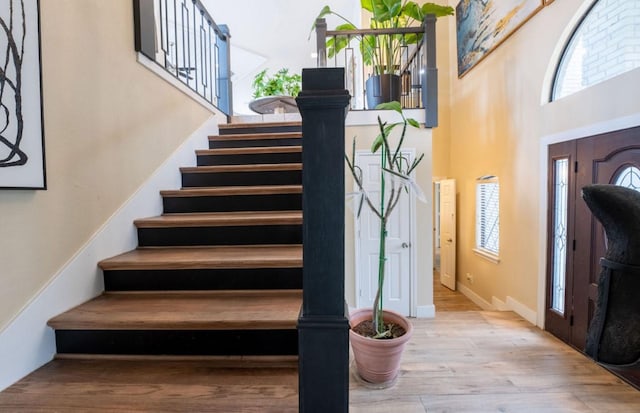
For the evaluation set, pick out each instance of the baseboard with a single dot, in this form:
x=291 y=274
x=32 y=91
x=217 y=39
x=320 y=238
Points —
x=27 y=343
x=521 y=309
x=481 y=302
x=499 y=305
x=426 y=311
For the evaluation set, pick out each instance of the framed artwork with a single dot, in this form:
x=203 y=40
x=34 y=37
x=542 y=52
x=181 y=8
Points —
x=482 y=25
x=22 y=161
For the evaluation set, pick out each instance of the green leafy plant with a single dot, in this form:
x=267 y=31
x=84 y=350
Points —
x=383 y=52
x=280 y=84
x=394 y=180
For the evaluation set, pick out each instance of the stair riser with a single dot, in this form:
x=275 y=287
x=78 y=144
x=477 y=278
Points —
x=191 y=179
x=204 y=279
x=240 y=235
x=279 y=202
x=178 y=342
x=260 y=128
x=247 y=159
x=250 y=143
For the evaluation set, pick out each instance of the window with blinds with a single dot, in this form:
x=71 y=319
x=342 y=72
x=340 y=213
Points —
x=488 y=216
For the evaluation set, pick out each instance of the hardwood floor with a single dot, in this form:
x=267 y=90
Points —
x=446 y=300
x=460 y=361
x=466 y=360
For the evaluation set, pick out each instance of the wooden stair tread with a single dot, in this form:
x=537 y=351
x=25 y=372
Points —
x=233 y=190
x=244 y=125
x=264 y=167
x=196 y=310
x=256 y=136
x=249 y=151
x=214 y=219
x=152 y=386
x=253 y=256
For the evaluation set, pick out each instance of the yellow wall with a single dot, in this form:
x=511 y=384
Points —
x=109 y=123
x=499 y=126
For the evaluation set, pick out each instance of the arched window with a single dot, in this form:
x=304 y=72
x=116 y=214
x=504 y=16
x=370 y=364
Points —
x=606 y=43
x=629 y=177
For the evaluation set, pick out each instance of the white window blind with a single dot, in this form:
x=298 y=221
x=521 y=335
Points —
x=488 y=215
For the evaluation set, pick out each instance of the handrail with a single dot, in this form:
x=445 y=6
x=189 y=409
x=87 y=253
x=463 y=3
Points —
x=183 y=38
x=357 y=32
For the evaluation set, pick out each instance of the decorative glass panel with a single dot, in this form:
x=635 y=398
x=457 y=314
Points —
x=560 y=212
x=629 y=177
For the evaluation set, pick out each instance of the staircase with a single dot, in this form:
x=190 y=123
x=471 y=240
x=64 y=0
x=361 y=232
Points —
x=217 y=277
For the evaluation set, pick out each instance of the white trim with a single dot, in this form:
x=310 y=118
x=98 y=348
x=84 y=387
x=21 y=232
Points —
x=498 y=304
x=471 y=295
x=169 y=78
x=426 y=311
x=370 y=117
x=487 y=255
x=521 y=309
x=611 y=125
x=26 y=342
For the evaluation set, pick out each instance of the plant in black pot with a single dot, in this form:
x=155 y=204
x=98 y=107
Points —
x=383 y=52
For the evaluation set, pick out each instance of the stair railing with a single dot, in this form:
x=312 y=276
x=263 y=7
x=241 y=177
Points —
x=323 y=325
x=182 y=37
x=418 y=70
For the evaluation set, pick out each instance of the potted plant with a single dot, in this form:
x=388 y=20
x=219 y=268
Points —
x=378 y=336
x=275 y=94
x=382 y=52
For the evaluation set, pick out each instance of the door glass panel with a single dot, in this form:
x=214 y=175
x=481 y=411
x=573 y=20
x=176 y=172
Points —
x=561 y=195
x=629 y=177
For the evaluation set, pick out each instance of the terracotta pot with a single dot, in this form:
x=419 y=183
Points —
x=378 y=361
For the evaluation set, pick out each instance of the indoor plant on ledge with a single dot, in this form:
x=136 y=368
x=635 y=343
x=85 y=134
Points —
x=378 y=336
x=275 y=94
x=383 y=52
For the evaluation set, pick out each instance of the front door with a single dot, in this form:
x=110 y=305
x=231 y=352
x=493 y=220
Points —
x=398 y=270
x=576 y=238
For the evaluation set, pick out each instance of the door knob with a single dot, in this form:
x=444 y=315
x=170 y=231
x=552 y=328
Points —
x=405 y=245
x=449 y=240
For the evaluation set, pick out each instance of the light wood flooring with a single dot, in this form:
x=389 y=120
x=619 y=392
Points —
x=464 y=360
x=467 y=360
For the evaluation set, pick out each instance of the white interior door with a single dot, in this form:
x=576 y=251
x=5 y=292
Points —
x=398 y=270
x=448 y=233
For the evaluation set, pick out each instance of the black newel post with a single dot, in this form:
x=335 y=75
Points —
x=144 y=28
x=430 y=81
x=323 y=325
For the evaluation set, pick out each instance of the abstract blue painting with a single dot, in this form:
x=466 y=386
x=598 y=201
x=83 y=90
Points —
x=483 y=24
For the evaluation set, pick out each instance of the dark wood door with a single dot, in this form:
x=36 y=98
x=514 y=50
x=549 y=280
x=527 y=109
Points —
x=608 y=159
x=560 y=235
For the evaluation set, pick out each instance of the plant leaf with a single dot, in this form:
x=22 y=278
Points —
x=412 y=10
x=413 y=122
x=438 y=10
x=395 y=105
